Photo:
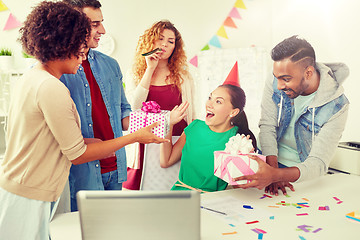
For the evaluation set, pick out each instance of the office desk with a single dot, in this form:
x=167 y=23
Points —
x=319 y=192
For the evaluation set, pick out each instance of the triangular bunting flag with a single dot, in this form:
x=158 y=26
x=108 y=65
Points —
x=194 y=61
x=229 y=22
x=205 y=48
x=215 y=41
x=234 y=13
x=240 y=4
x=11 y=23
x=3 y=7
x=222 y=33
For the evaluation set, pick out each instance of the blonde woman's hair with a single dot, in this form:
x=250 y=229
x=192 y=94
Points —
x=177 y=62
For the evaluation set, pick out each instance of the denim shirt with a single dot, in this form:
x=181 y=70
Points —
x=87 y=176
x=309 y=123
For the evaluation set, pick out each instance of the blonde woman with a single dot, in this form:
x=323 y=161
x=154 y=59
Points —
x=161 y=76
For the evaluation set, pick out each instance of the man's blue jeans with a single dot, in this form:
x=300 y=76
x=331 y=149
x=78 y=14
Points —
x=110 y=181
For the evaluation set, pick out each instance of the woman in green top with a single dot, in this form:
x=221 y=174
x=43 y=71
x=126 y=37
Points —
x=224 y=118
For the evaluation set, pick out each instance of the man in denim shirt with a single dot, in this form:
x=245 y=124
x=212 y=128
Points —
x=304 y=111
x=98 y=93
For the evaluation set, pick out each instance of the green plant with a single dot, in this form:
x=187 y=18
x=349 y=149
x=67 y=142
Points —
x=25 y=55
x=5 y=52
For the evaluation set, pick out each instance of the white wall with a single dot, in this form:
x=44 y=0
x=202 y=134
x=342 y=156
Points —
x=331 y=26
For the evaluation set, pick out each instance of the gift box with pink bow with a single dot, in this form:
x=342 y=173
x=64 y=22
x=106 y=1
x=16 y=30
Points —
x=148 y=114
x=234 y=161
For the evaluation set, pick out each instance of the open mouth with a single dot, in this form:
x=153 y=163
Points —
x=209 y=114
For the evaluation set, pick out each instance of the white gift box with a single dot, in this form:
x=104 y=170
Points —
x=228 y=166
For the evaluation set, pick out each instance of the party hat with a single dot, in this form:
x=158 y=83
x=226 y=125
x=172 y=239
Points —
x=233 y=77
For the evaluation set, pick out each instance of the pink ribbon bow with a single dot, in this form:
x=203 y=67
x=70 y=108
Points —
x=151 y=107
x=241 y=165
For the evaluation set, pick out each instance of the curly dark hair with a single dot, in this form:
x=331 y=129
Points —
x=54 y=30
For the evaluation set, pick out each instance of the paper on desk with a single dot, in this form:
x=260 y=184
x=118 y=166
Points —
x=235 y=212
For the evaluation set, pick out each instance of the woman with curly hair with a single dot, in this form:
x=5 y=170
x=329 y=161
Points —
x=43 y=134
x=163 y=77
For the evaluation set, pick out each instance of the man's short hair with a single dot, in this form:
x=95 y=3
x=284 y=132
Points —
x=296 y=49
x=84 y=3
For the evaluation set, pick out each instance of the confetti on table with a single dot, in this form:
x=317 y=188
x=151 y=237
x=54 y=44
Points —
x=353 y=216
x=247 y=207
x=252 y=222
x=260 y=232
x=229 y=233
x=302 y=214
x=307 y=228
x=297 y=205
x=283 y=203
x=274 y=206
x=304 y=228
x=357 y=213
x=286 y=195
x=302 y=238
x=232 y=225
x=305 y=199
x=303 y=204
x=338 y=200
x=272 y=217
x=264 y=196
x=324 y=208
x=317 y=230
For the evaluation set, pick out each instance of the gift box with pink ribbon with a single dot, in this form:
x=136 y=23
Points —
x=234 y=161
x=148 y=114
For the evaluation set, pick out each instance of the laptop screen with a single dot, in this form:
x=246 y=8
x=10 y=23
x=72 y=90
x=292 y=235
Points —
x=139 y=215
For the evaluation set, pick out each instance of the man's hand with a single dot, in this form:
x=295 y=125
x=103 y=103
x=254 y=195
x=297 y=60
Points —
x=274 y=187
x=262 y=178
x=267 y=175
x=145 y=135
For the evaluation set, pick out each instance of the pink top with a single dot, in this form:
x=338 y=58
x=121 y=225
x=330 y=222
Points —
x=167 y=96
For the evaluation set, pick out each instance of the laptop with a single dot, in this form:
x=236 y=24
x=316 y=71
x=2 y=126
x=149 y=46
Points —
x=139 y=215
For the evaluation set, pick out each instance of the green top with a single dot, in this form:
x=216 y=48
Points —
x=197 y=160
